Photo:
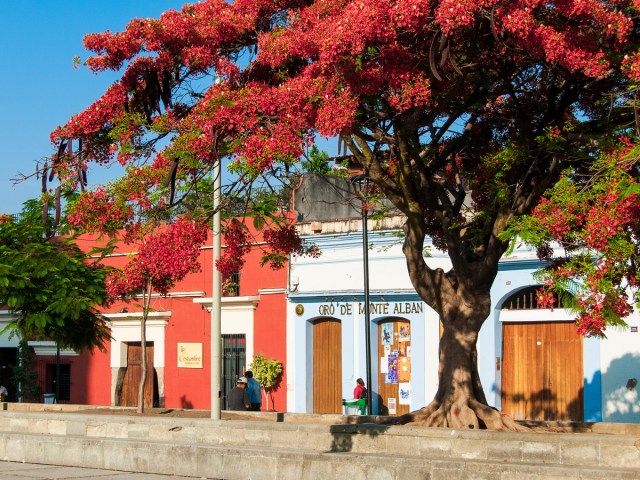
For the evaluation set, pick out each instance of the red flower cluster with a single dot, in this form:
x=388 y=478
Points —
x=97 y=211
x=163 y=259
x=328 y=68
x=285 y=241
x=237 y=244
x=558 y=221
x=545 y=298
x=599 y=227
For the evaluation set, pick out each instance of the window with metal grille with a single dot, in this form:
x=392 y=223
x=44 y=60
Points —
x=231 y=285
x=526 y=299
x=234 y=348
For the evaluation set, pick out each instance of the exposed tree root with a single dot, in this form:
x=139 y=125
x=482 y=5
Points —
x=469 y=414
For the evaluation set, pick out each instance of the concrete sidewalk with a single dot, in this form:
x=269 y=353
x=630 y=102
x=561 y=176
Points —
x=33 y=471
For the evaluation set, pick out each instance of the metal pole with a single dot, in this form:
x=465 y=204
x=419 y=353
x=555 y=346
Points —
x=367 y=316
x=57 y=392
x=216 y=307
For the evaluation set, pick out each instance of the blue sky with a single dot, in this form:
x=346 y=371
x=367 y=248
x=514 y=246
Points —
x=40 y=89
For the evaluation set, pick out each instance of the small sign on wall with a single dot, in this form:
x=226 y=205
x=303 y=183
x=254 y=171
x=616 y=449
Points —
x=391 y=402
x=189 y=355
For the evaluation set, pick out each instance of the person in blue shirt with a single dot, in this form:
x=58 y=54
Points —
x=253 y=389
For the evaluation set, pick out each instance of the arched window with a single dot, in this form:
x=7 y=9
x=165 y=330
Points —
x=525 y=299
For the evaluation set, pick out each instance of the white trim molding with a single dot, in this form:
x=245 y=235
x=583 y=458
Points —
x=537 y=315
x=49 y=349
x=271 y=291
x=174 y=295
x=131 y=319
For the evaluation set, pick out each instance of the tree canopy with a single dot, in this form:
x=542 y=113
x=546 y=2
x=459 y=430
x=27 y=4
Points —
x=51 y=285
x=462 y=113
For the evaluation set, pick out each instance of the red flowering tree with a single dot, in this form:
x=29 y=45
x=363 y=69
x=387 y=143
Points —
x=594 y=219
x=463 y=113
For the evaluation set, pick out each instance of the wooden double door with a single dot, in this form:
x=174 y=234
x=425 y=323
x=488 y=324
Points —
x=542 y=371
x=133 y=375
x=327 y=366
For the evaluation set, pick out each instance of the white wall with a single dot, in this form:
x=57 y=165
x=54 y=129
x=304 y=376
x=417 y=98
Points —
x=620 y=363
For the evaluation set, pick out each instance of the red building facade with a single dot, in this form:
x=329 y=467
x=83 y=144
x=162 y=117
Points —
x=178 y=341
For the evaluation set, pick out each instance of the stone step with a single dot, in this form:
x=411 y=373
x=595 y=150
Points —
x=583 y=450
x=271 y=463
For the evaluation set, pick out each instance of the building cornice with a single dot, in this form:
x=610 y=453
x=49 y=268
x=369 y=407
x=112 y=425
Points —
x=272 y=291
x=133 y=319
x=175 y=295
x=231 y=303
x=355 y=296
x=50 y=349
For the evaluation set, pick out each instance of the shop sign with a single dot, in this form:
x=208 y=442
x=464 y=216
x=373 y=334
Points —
x=375 y=308
x=189 y=355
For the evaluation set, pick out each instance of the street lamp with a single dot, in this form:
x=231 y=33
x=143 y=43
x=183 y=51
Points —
x=361 y=183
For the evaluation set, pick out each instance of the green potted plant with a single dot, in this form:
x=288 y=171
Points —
x=268 y=373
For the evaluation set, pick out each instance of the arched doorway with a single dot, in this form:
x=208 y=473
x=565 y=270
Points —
x=394 y=376
x=327 y=366
x=542 y=364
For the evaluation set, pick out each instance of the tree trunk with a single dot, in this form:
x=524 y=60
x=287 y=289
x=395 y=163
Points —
x=460 y=401
x=146 y=299
x=462 y=298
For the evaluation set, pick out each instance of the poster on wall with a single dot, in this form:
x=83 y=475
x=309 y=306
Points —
x=384 y=365
x=392 y=374
x=387 y=350
x=405 y=334
x=404 y=369
x=404 y=391
x=391 y=402
x=387 y=333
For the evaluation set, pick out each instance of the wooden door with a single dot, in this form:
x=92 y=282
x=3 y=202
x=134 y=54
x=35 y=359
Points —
x=133 y=374
x=327 y=366
x=400 y=339
x=542 y=371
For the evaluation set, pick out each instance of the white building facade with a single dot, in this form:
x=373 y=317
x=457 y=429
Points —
x=531 y=362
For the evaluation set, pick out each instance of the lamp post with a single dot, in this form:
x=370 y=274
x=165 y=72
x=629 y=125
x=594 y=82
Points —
x=216 y=306
x=361 y=183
